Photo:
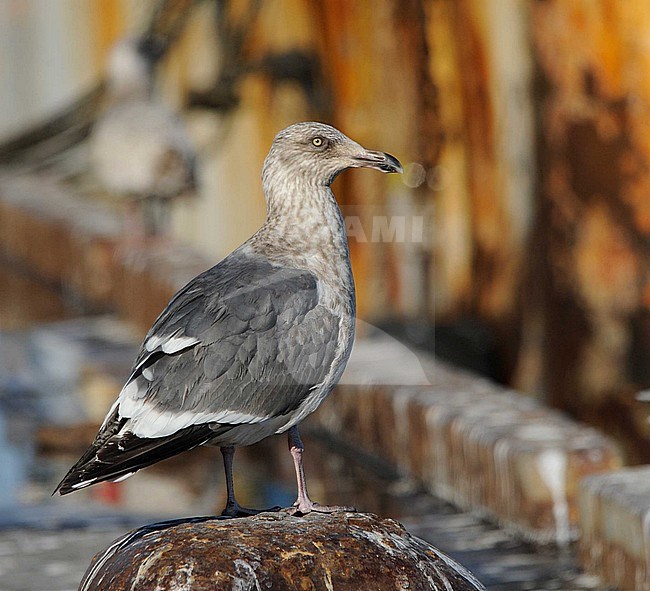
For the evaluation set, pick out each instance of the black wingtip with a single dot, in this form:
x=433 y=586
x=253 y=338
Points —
x=118 y=458
x=70 y=483
x=62 y=490
x=78 y=477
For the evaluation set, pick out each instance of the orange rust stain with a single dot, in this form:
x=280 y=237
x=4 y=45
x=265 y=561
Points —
x=646 y=295
x=637 y=196
x=590 y=37
x=337 y=28
x=607 y=266
x=476 y=82
x=453 y=254
x=608 y=56
x=494 y=262
x=109 y=25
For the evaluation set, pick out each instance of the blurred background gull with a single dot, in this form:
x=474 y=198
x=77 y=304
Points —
x=516 y=244
x=139 y=148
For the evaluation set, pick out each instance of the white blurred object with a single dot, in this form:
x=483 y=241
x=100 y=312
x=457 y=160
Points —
x=381 y=359
x=140 y=149
x=643 y=396
x=128 y=71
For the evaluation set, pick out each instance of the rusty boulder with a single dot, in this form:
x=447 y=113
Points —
x=336 y=552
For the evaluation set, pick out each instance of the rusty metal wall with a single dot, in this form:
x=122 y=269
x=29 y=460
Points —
x=590 y=279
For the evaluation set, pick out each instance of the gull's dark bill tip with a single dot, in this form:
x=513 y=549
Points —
x=380 y=161
x=391 y=164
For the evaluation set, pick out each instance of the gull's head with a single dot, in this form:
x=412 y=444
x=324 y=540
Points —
x=317 y=153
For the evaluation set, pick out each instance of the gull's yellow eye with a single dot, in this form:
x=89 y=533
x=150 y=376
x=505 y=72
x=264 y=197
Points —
x=317 y=141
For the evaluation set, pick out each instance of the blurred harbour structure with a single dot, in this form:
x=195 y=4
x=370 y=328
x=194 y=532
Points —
x=516 y=242
x=519 y=228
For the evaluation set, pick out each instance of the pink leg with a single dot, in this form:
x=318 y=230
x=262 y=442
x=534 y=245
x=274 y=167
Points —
x=304 y=504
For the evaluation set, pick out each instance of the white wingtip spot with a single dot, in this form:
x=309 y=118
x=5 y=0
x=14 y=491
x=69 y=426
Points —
x=123 y=477
x=83 y=484
x=169 y=343
x=178 y=344
x=153 y=342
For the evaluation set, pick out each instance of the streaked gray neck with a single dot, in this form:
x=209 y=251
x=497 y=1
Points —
x=304 y=223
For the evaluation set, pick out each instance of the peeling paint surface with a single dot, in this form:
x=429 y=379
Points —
x=593 y=270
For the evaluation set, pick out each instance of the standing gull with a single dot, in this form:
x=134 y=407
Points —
x=250 y=347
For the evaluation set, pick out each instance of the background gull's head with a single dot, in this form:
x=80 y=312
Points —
x=129 y=71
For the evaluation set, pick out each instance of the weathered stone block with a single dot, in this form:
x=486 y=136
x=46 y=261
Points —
x=342 y=551
x=479 y=446
x=615 y=518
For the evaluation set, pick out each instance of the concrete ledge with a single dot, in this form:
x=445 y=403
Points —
x=615 y=522
x=479 y=446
